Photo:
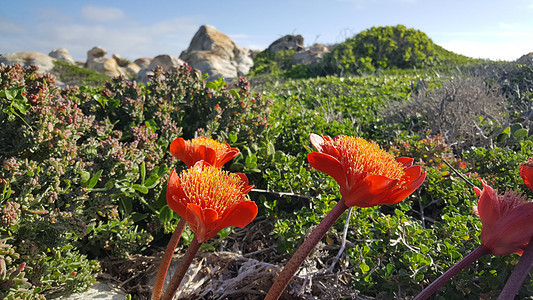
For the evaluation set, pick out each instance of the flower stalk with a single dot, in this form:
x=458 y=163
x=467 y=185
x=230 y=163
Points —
x=167 y=258
x=466 y=261
x=304 y=250
x=519 y=274
x=182 y=269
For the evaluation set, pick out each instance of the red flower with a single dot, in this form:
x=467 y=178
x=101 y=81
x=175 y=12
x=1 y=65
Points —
x=526 y=171
x=202 y=148
x=210 y=199
x=366 y=174
x=507 y=220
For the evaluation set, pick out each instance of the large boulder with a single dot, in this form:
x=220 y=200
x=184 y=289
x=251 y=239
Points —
x=44 y=62
x=215 y=53
x=311 y=56
x=97 y=61
x=167 y=62
x=126 y=67
x=288 y=42
x=62 y=55
x=143 y=62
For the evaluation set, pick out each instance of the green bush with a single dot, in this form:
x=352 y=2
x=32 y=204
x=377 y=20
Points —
x=381 y=48
x=83 y=168
x=75 y=75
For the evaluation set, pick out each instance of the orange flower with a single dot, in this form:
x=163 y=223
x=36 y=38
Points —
x=507 y=220
x=202 y=148
x=366 y=174
x=210 y=199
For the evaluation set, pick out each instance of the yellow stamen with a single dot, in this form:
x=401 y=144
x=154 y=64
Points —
x=367 y=158
x=210 y=187
x=215 y=145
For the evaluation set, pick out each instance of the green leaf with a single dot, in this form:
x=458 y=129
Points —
x=140 y=188
x=251 y=161
x=390 y=268
x=152 y=180
x=364 y=267
x=270 y=148
x=165 y=214
x=143 y=172
x=235 y=93
x=502 y=137
x=10 y=94
x=110 y=184
x=515 y=127
x=507 y=130
x=21 y=104
x=211 y=85
x=520 y=133
x=94 y=180
x=84 y=177
x=232 y=137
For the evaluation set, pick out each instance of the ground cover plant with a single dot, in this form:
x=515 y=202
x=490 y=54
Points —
x=84 y=173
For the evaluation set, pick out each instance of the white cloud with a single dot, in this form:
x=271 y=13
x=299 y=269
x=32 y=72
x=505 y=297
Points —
x=510 y=50
x=506 y=25
x=102 y=14
x=129 y=39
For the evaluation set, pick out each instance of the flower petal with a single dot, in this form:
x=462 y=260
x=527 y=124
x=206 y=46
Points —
x=317 y=141
x=177 y=148
x=488 y=206
x=402 y=193
x=526 y=171
x=208 y=154
x=329 y=165
x=195 y=218
x=175 y=193
x=229 y=155
x=369 y=191
x=240 y=215
x=511 y=232
x=405 y=161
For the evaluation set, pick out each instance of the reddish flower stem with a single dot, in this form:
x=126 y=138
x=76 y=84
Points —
x=466 y=261
x=304 y=250
x=167 y=258
x=186 y=261
x=519 y=274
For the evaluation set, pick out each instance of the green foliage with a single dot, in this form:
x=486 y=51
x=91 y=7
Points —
x=274 y=64
x=381 y=48
x=75 y=75
x=83 y=170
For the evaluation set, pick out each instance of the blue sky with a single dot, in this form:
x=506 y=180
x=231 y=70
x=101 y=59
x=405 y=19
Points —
x=498 y=30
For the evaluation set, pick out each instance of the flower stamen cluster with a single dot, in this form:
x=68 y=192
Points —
x=366 y=158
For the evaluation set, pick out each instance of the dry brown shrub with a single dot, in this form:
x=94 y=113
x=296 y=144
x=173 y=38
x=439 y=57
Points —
x=464 y=110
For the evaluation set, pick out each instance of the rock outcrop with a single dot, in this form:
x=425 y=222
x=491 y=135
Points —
x=167 y=62
x=311 y=56
x=213 y=52
x=97 y=61
x=288 y=42
x=126 y=67
x=62 y=55
x=143 y=62
x=114 y=66
x=44 y=62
